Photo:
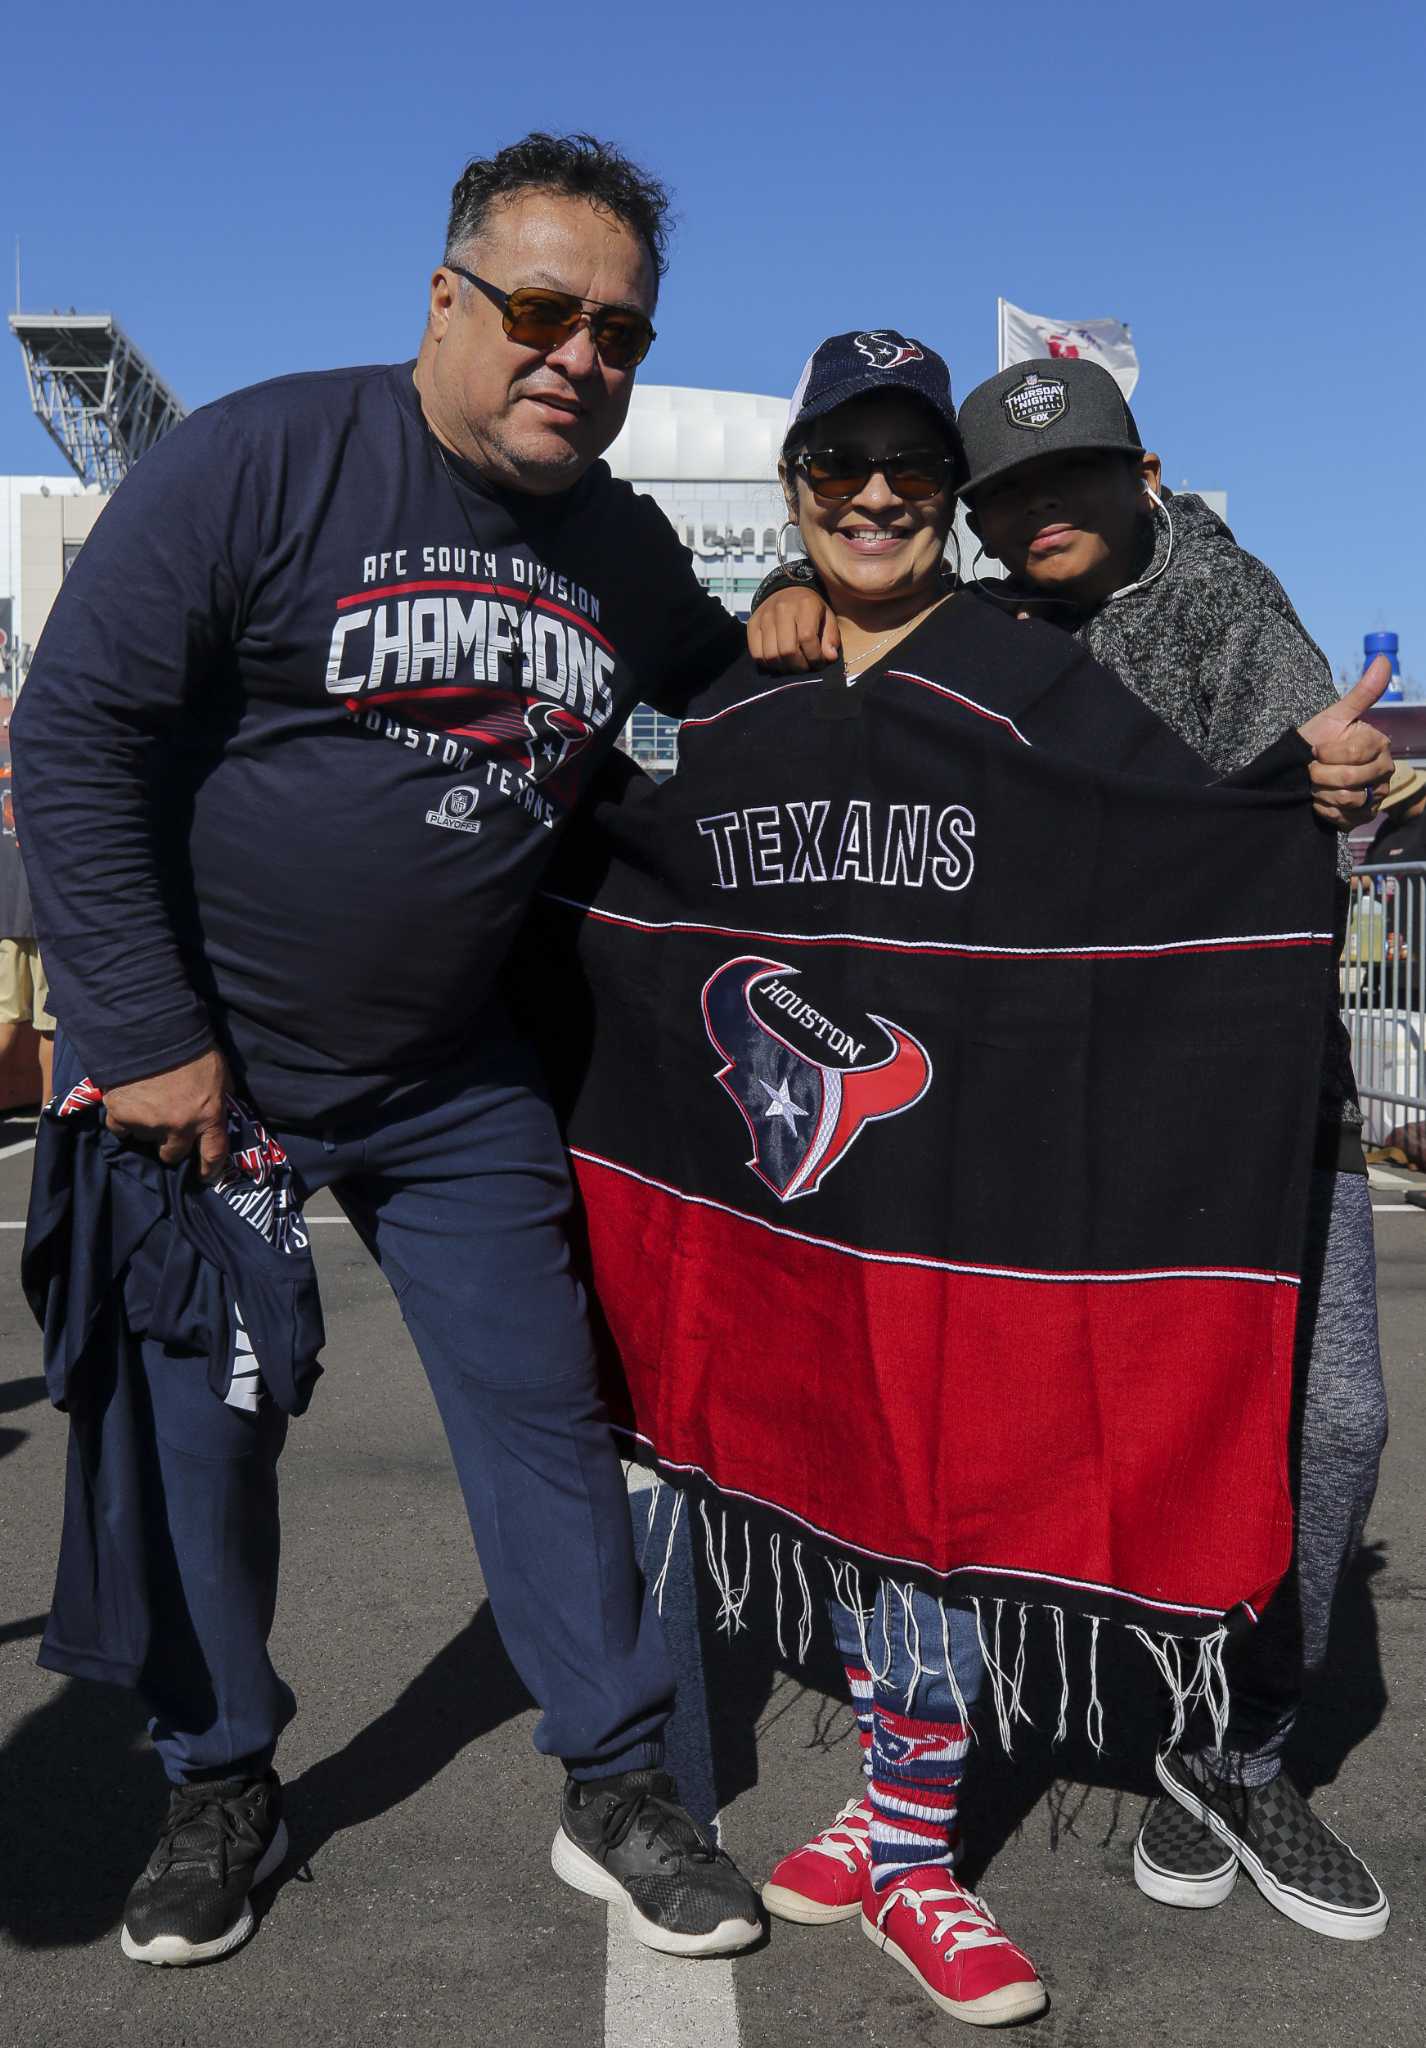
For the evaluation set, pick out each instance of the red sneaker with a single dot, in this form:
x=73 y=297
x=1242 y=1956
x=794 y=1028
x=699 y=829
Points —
x=824 y=1879
x=952 y=1944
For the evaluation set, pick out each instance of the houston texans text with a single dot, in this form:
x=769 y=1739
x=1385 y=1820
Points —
x=890 y=845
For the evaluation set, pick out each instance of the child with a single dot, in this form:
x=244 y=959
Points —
x=1063 y=493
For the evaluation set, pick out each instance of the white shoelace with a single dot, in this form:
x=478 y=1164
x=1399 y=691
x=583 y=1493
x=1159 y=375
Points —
x=853 y=1826
x=970 y=1925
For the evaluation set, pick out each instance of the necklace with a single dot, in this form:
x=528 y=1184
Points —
x=872 y=650
x=517 y=654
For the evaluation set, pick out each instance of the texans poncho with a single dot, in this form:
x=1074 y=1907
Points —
x=939 y=1063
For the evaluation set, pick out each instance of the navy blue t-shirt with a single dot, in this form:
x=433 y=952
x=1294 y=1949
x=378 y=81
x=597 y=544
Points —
x=304 y=727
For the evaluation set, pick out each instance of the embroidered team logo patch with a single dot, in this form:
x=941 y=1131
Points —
x=885 y=350
x=804 y=1114
x=1038 y=402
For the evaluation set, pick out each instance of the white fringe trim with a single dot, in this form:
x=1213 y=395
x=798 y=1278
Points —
x=1192 y=1672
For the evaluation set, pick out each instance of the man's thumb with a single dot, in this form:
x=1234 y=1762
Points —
x=1361 y=697
x=212 y=1150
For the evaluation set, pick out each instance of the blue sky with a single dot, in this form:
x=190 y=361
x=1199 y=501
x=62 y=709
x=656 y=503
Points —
x=265 y=190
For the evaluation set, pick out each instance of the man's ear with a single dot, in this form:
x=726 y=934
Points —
x=1151 y=471
x=442 y=302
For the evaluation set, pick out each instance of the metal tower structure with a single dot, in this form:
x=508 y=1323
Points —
x=99 y=398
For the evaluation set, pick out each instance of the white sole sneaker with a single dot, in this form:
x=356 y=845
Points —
x=1341 y=1923
x=1177 y=1888
x=173 y=1952
x=805 y=1912
x=580 y=1870
x=996 y=2009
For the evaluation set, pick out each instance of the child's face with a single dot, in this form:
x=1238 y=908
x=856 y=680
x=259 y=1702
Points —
x=1069 y=524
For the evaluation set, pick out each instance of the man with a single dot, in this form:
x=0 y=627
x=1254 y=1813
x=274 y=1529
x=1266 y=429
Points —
x=333 y=668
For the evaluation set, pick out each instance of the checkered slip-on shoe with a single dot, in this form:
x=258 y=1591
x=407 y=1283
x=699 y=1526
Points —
x=1296 y=1861
x=1179 y=1861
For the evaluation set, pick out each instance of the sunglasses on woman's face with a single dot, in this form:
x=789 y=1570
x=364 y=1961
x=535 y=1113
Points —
x=837 y=475
x=537 y=317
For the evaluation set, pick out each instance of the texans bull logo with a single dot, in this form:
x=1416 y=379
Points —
x=555 y=737
x=886 y=350
x=803 y=1115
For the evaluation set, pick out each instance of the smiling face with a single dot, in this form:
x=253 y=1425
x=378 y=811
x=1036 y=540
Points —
x=527 y=419
x=877 y=548
x=1072 y=525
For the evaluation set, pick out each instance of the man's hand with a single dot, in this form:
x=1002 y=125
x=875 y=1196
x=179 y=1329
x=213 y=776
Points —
x=177 y=1111
x=1352 y=763
x=792 y=631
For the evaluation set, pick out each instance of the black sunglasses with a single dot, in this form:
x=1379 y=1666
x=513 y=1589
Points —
x=838 y=475
x=540 y=318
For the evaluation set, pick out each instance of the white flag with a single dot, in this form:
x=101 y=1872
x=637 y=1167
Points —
x=1023 y=336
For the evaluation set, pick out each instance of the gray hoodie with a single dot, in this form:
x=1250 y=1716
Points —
x=1209 y=640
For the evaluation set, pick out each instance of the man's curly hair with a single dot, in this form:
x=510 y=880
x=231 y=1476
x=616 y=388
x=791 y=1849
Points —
x=578 y=166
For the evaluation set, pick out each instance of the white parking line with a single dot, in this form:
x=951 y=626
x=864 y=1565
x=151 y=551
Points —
x=653 y=2001
x=9 y=1151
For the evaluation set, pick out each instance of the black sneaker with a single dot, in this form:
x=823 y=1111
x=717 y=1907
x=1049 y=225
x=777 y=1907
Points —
x=1179 y=1860
x=627 y=1838
x=191 y=1903
x=1296 y=1861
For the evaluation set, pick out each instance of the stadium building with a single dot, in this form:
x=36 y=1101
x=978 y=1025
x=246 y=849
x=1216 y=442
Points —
x=709 y=459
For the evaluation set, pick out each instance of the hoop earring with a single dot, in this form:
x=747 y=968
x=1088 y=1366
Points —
x=787 y=526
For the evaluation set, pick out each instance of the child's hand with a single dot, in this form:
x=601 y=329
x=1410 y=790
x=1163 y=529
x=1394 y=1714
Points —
x=1352 y=760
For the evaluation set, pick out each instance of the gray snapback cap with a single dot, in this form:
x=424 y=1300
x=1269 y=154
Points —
x=1051 y=406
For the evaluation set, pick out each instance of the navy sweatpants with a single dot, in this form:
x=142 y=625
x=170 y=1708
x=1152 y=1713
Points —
x=462 y=1201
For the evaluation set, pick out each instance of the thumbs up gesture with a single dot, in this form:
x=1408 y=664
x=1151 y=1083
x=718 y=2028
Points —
x=1351 y=764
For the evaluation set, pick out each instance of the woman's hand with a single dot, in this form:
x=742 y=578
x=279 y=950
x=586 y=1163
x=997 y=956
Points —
x=793 y=631
x=1352 y=760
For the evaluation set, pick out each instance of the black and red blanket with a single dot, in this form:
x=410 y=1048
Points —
x=940 y=1061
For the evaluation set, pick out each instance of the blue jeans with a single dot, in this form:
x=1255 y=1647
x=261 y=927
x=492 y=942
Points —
x=460 y=1193
x=892 y=1641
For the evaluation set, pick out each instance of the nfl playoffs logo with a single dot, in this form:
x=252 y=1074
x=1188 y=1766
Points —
x=1038 y=402
x=457 y=809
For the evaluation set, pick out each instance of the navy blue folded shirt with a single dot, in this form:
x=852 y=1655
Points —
x=120 y=1249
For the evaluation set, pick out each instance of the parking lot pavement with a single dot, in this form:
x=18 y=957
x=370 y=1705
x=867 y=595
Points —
x=419 y=1906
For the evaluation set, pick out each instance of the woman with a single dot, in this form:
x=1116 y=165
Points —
x=870 y=466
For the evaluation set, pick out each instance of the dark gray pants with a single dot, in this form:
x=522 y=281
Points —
x=1339 y=1428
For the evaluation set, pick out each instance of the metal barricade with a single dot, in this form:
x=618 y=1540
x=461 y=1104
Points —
x=1383 y=982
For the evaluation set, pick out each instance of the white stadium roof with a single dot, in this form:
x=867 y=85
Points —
x=675 y=433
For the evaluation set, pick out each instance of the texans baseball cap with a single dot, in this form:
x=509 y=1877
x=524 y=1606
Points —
x=874 y=359
x=1054 y=405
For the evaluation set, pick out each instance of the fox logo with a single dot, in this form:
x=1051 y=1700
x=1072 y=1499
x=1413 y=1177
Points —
x=803 y=1116
x=886 y=350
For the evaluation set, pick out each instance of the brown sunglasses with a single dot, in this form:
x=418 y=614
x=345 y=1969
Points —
x=540 y=318
x=838 y=475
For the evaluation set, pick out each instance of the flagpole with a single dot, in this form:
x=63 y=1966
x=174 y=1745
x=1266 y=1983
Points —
x=1000 y=334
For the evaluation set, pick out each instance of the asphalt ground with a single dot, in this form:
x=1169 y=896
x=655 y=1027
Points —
x=419 y=1906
